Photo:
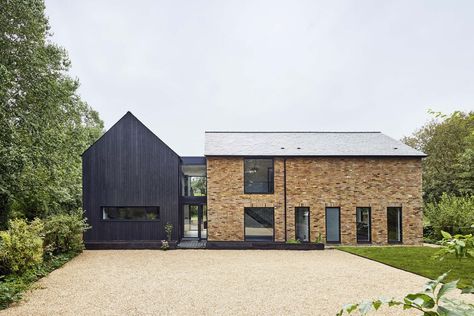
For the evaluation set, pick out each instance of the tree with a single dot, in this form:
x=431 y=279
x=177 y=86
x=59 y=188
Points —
x=44 y=125
x=449 y=143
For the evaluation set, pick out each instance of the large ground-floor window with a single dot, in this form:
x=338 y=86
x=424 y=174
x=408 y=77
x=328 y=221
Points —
x=259 y=223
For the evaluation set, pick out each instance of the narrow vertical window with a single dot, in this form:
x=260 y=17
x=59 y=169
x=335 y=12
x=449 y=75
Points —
x=363 y=224
x=394 y=224
x=333 y=225
x=302 y=223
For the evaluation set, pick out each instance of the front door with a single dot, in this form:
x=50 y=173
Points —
x=195 y=221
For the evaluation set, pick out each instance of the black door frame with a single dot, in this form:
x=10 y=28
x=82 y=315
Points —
x=309 y=221
x=200 y=218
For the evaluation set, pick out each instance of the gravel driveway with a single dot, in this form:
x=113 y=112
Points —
x=213 y=282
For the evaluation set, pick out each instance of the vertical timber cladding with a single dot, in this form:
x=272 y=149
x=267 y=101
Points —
x=130 y=166
x=317 y=183
x=226 y=199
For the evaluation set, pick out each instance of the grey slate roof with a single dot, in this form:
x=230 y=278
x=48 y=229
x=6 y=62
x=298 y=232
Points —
x=305 y=144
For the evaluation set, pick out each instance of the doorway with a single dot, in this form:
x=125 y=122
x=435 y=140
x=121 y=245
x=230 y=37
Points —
x=195 y=221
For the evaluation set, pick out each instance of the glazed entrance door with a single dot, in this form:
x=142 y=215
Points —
x=195 y=221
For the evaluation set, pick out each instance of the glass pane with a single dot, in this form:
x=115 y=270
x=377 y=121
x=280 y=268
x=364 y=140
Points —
x=193 y=217
x=194 y=186
x=394 y=224
x=302 y=223
x=332 y=224
x=131 y=213
x=258 y=224
x=363 y=224
x=258 y=174
x=204 y=222
x=186 y=220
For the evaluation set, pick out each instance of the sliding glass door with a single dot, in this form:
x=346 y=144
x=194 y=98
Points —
x=333 y=225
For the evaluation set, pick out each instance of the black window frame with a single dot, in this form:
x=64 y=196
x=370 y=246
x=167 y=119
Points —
x=130 y=220
x=272 y=191
x=326 y=224
x=370 y=225
x=309 y=222
x=273 y=229
x=400 y=221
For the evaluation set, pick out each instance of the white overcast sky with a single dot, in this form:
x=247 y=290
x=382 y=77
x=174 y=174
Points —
x=183 y=67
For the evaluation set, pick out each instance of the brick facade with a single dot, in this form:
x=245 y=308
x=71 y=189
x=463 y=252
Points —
x=318 y=183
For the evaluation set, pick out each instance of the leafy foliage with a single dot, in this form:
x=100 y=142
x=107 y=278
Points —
x=63 y=232
x=449 y=143
x=13 y=286
x=44 y=125
x=169 y=230
x=199 y=186
x=165 y=245
x=319 y=239
x=432 y=301
x=21 y=246
x=462 y=246
x=293 y=241
x=29 y=251
x=452 y=214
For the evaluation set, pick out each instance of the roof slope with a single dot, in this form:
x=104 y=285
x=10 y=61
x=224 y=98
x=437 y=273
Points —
x=305 y=144
x=126 y=119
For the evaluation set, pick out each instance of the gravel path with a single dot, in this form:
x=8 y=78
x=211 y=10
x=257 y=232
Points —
x=213 y=282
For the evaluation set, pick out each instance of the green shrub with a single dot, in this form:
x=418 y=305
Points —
x=461 y=246
x=63 y=233
x=168 y=230
x=451 y=214
x=293 y=241
x=431 y=301
x=11 y=291
x=319 y=239
x=21 y=246
x=13 y=285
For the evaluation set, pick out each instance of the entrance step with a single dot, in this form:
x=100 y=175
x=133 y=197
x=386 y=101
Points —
x=192 y=244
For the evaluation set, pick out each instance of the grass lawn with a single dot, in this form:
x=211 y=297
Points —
x=419 y=260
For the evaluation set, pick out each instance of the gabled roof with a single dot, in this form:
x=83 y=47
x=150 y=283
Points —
x=128 y=116
x=305 y=144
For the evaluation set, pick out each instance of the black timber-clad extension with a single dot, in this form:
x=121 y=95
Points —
x=127 y=169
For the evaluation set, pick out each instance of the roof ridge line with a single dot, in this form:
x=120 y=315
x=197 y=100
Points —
x=295 y=132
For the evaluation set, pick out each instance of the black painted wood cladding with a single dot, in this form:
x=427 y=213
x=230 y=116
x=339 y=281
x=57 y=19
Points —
x=130 y=166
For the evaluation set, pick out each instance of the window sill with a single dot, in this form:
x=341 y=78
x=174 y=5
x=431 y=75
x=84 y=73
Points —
x=263 y=193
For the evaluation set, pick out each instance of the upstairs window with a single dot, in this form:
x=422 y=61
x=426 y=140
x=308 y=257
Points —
x=258 y=176
x=194 y=186
x=131 y=213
